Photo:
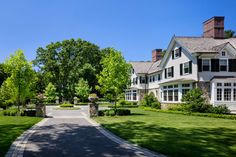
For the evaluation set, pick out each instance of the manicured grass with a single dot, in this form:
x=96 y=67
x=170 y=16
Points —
x=11 y=127
x=175 y=134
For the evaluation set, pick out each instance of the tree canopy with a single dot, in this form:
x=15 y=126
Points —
x=82 y=90
x=21 y=79
x=67 y=61
x=114 y=77
x=229 y=33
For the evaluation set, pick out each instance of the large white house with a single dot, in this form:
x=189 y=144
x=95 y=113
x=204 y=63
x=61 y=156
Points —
x=208 y=62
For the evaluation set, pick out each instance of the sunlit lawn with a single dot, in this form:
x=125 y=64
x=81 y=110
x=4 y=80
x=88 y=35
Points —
x=11 y=128
x=175 y=134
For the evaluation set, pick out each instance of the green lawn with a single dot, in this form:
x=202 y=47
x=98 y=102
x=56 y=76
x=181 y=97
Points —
x=11 y=128
x=175 y=134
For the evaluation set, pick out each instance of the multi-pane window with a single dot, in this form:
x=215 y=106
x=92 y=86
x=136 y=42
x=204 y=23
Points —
x=227 y=84
x=177 y=52
x=223 y=65
x=142 y=80
x=185 y=88
x=165 y=95
x=226 y=91
x=134 y=95
x=186 y=68
x=219 y=94
x=170 y=93
x=205 y=65
x=176 y=97
x=223 y=53
x=169 y=72
x=227 y=94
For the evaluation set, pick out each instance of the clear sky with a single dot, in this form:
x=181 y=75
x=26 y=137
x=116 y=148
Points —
x=134 y=27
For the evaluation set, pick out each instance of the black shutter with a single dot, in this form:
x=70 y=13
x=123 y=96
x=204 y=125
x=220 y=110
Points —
x=181 y=69
x=173 y=55
x=215 y=65
x=172 y=71
x=140 y=79
x=180 y=51
x=199 y=64
x=190 y=67
x=232 y=65
x=165 y=73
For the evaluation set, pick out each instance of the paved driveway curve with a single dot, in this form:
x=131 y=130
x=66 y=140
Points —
x=70 y=133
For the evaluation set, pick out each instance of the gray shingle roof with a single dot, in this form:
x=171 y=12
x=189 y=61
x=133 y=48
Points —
x=200 y=44
x=146 y=67
x=155 y=67
x=141 y=67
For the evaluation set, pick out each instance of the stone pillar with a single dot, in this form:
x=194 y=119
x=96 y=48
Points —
x=93 y=106
x=40 y=107
x=57 y=100
x=93 y=109
x=75 y=100
x=40 y=110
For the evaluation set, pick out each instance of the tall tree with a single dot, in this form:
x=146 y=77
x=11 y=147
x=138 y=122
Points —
x=114 y=77
x=22 y=77
x=82 y=90
x=67 y=61
x=50 y=93
x=229 y=33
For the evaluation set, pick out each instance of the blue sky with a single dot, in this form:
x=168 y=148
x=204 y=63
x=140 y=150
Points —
x=134 y=27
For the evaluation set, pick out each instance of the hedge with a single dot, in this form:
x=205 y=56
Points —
x=225 y=116
x=119 y=112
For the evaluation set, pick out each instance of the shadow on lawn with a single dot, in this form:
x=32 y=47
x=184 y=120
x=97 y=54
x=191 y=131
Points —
x=8 y=133
x=178 y=142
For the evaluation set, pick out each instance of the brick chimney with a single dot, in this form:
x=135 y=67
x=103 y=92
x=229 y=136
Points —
x=156 y=55
x=214 y=27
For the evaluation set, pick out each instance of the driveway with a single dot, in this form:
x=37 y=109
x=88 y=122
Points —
x=71 y=133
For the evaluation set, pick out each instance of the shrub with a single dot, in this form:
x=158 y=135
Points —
x=175 y=107
x=66 y=105
x=221 y=109
x=195 y=101
x=151 y=101
x=13 y=112
x=122 y=112
x=111 y=112
x=30 y=112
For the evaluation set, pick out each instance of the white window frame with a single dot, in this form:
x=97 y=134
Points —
x=169 y=70
x=176 y=53
x=167 y=91
x=209 y=63
x=226 y=65
x=188 y=67
x=223 y=86
x=222 y=53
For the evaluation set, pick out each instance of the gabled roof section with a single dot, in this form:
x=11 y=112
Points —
x=141 y=67
x=201 y=44
x=155 y=67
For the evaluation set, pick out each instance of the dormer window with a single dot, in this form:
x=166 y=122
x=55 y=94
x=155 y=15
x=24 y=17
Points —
x=223 y=53
x=176 y=53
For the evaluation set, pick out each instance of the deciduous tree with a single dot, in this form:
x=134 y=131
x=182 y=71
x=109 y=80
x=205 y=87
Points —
x=114 y=77
x=22 y=77
x=82 y=89
x=67 y=61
